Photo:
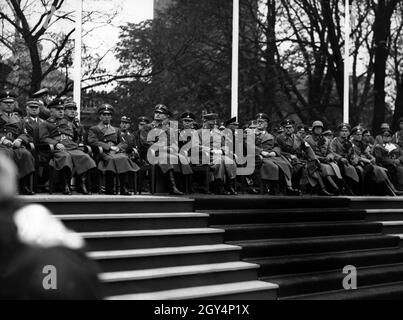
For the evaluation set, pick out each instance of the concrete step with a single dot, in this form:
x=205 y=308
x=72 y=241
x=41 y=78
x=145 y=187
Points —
x=146 y=239
x=164 y=257
x=322 y=262
x=384 y=214
x=392 y=227
x=283 y=247
x=297 y=230
x=288 y=215
x=386 y=291
x=149 y=280
x=248 y=290
x=299 y=284
x=136 y=221
x=375 y=202
x=95 y=204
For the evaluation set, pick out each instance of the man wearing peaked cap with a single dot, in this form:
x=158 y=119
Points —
x=66 y=157
x=188 y=120
x=222 y=162
x=43 y=97
x=70 y=113
x=32 y=120
x=167 y=156
x=328 y=168
x=344 y=155
x=389 y=155
x=269 y=163
x=13 y=140
x=300 y=154
x=114 y=160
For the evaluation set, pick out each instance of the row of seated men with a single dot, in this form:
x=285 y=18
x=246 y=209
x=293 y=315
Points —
x=287 y=162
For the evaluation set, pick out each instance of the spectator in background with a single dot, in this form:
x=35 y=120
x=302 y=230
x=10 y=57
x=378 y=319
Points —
x=34 y=243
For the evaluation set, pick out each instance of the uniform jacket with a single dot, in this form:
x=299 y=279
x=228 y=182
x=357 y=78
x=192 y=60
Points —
x=54 y=131
x=12 y=127
x=387 y=154
x=320 y=146
x=31 y=128
x=343 y=148
x=265 y=141
x=105 y=137
x=295 y=145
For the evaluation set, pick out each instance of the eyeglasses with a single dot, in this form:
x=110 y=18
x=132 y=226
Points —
x=106 y=114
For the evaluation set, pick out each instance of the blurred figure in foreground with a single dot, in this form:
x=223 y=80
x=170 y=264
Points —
x=39 y=258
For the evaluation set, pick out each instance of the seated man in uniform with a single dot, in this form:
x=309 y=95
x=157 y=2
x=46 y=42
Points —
x=390 y=156
x=42 y=96
x=70 y=113
x=344 y=155
x=66 y=156
x=168 y=150
x=222 y=162
x=329 y=169
x=114 y=160
x=13 y=141
x=375 y=178
x=378 y=138
x=300 y=154
x=273 y=167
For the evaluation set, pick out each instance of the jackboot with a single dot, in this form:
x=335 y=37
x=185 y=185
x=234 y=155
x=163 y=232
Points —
x=83 y=184
x=110 y=183
x=124 y=191
x=173 y=190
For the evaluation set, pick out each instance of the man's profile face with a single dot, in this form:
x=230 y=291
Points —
x=57 y=113
x=70 y=112
x=357 y=136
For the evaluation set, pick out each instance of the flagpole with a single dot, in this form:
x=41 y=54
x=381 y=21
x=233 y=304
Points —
x=346 y=102
x=235 y=59
x=77 y=56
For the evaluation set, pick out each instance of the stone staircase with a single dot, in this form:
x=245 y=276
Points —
x=152 y=248
x=303 y=244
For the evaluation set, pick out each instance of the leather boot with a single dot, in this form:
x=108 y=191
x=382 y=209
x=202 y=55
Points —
x=124 y=191
x=110 y=183
x=83 y=184
x=173 y=190
x=232 y=187
x=25 y=186
x=66 y=182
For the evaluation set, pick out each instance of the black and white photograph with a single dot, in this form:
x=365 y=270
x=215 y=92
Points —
x=201 y=150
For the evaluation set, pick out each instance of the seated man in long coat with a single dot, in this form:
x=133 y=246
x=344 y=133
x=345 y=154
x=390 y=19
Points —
x=58 y=132
x=13 y=141
x=390 y=156
x=344 y=155
x=162 y=151
x=329 y=170
x=114 y=160
x=299 y=154
x=268 y=157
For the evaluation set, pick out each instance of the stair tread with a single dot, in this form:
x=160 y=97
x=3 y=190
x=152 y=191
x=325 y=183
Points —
x=323 y=255
x=294 y=224
x=131 y=216
x=117 y=254
x=147 y=233
x=317 y=276
x=362 y=292
x=392 y=223
x=175 y=271
x=201 y=291
x=372 y=211
x=400 y=235
x=312 y=239
x=290 y=210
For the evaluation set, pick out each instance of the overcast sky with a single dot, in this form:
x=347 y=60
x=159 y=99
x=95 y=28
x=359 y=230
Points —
x=106 y=38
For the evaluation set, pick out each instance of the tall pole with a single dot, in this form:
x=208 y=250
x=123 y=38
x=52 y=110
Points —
x=346 y=102
x=235 y=59
x=77 y=55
